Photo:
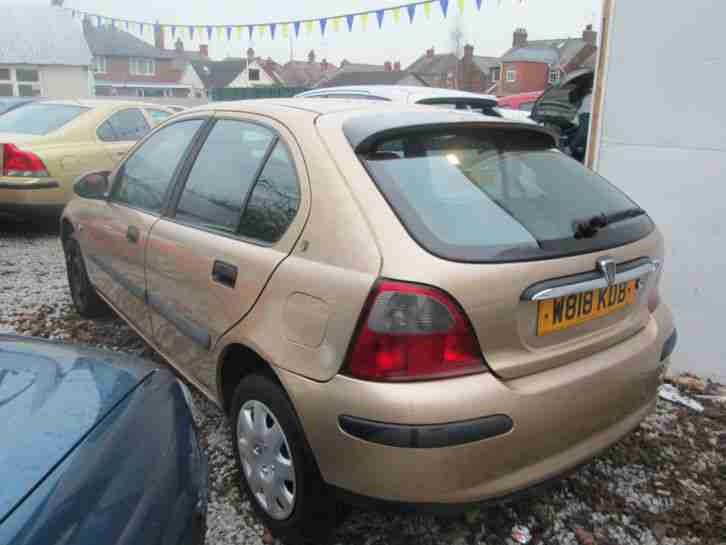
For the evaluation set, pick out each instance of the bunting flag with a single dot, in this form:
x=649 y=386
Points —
x=225 y=31
x=261 y=30
x=396 y=15
x=412 y=12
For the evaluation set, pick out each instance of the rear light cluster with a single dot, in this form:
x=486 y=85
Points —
x=654 y=289
x=22 y=163
x=413 y=332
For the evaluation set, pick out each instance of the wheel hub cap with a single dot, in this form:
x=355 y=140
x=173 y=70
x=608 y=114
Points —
x=266 y=459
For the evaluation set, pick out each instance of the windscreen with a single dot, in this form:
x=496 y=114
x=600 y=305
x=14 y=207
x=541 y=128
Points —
x=498 y=195
x=39 y=118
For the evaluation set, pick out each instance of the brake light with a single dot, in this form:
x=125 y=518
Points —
x=413 y=332
x=22 y=163
x=654 y=290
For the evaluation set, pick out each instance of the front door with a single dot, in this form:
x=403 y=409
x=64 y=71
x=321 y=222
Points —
x=117 y=233
x=238 y=215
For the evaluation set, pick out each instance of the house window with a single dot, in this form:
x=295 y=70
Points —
x=142 y=67
x=496 y=73
x=23 y=82
x=554 y=75
x=511 y=75
x=254 y=74
x=99 y=65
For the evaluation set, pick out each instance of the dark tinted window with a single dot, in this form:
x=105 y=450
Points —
x=497 y=195
x=39 y=118
x=124 y=126
x=146 y=175
x=223 y=174
x=274 y=200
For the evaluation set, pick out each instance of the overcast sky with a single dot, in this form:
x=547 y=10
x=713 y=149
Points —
x=489 y=30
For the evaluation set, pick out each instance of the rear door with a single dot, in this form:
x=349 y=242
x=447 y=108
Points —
x=115 y=233
x=240 y=206
x=121 y=131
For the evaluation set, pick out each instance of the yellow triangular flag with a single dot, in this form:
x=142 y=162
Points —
x=200 y=31
x=364 y=21
x=397 y=14
x=336 y=24
x=285 y=30
x=238 y=32
x=461 y=6
x=309 y=27
x=261 y=30
x=220 y=32
x=427 y=10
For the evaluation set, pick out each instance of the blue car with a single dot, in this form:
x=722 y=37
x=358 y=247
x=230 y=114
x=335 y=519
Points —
x=96 y=447
x=11 y=103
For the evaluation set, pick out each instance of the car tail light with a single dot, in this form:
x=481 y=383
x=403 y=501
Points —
x=654 y=289
x=22 y=163
x=413 y=332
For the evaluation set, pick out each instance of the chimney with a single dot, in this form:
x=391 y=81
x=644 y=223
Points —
x=204 y=50
x=344 y=62
x=179 y=46
x=387 y=66
x=250 y=54
x=430 y=53
x=468 y=51
x=519 y=38
x=397 y=66
x=324 y=65
x=311 y=56
x=158 y=36
x=589 y=36
x=58 y=3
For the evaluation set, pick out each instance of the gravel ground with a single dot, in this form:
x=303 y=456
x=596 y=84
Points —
x=664 y=484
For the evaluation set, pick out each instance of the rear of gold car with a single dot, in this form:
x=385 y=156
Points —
x=515 y=329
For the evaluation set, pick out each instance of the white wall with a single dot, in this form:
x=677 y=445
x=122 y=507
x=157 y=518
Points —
x=663 y=140
x=65 y=82
x=191 y=78
x=242 y=81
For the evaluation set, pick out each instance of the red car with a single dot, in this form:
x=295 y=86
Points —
x=523 y=101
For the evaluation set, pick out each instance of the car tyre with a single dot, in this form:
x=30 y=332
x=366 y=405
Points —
x=313 y=514
x=87 y=302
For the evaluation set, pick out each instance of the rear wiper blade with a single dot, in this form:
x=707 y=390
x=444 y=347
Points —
x=587 y=228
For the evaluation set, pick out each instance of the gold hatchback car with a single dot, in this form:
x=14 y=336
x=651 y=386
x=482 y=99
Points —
x=391 y=302
x=46 y=145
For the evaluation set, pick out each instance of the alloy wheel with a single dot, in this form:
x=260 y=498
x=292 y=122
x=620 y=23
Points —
x=266 y=459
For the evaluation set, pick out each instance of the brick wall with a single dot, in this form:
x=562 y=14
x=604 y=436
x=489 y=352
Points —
x=118 y=69
x=531 y=76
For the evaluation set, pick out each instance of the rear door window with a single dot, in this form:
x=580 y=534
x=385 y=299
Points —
x=489 y=195
x=223 y=174
x=158 y=116
x=39 y=118
x=124 y=126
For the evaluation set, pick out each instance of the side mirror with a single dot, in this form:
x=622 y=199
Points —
x=94 y=185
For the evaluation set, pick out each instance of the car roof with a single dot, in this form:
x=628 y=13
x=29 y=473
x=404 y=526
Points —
x=105 y=104
x=394 y=92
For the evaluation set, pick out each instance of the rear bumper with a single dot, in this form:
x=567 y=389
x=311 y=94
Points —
x=38 y=196
x=561 y=418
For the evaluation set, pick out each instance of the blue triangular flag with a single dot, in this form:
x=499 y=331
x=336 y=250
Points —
x=478 y=4
x=250 y=30
x=173 y=32
x=411 y=8
x=379 y=15
x=349 y=19
x=229 y=33
x=191 y=32
x=444 y=6
x=296 y=26
x=126 y=23
x=273 y=27
x=323 y=24
x=209 y=32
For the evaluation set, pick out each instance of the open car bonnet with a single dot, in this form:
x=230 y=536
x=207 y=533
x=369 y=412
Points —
x=558 y=105
x=51 y=395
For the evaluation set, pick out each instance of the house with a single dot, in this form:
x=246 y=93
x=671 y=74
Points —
x=204 y=74
x=390 y=74
x=470 y=73
x=125 y=65
x=43 y=53
x=306 y=73
x=532 y=65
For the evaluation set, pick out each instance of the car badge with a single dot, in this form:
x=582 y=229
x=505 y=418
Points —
x=608 y=269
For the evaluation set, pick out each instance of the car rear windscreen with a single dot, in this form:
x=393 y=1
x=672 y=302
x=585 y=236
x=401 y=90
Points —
x=498 y=195
x=39 y=118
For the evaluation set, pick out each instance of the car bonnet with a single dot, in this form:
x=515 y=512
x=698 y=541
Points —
x=51 y=396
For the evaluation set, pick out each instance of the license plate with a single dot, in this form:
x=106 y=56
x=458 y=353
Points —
x=565 y=312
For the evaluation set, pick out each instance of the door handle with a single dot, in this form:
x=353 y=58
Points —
x=132 y=234
x=224 y=273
